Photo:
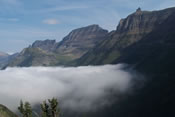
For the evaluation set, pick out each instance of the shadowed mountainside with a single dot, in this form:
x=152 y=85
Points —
x=154 y=56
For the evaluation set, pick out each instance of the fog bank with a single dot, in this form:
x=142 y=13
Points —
x=80 y=88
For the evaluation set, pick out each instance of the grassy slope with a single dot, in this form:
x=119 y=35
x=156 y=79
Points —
x=5 y=112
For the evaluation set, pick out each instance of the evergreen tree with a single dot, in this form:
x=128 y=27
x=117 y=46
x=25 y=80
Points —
x=50 y=109
x=25 y=109
x=28 y=109
x=54 y=107
x=45 y=109
x=21 y=108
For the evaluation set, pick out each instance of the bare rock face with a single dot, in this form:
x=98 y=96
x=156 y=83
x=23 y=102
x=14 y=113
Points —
x=129 y=31
x=142 y=22
x=79 y=41
x=47 y=45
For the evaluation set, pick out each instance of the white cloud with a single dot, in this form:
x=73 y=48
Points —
x=13 y=19
x=78 y=88
x=51 y=21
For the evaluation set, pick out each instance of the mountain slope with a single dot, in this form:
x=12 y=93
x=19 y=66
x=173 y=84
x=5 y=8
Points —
x=3 y=59
x=129 y=31
x=81 y=40
x=154 y=56
x=46 y=45
x=50 y=53
x=33 y=57
x=5 y=112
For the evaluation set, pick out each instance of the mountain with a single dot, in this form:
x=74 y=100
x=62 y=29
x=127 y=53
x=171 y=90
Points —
x=81 y=40
x=129 y=31
x=51 y=53
x=152 y=55
x=3 y=59
x=145 y=40
x=5 y=112
x=46 y=45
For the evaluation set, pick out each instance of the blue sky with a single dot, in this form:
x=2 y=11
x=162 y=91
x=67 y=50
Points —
x=24 y=21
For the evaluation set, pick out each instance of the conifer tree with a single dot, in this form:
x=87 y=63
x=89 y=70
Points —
x=21 y=108
x=45 y=109
x=28 y=109
x=25 y=109
x=54 y=107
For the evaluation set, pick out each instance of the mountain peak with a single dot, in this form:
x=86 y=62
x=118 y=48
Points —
x=89 y=29
x=80 y=33
x=139 y=10
x=40 y=42
x=47 y=45
x=80 y=40
x=142 y=21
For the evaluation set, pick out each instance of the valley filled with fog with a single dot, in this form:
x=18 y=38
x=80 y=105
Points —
x=77 y=88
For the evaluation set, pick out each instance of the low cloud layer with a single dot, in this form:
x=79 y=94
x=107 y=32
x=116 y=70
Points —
x=76 y=87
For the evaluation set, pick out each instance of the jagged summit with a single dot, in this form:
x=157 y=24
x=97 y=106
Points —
x=47 y=45
x=143 y=21
x=80 y=40
x=129 y=31
x=88 y=29
x=139 y=10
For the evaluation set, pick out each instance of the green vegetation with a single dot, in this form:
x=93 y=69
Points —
x=5 y=112
x=25 y=109
x=49 y=108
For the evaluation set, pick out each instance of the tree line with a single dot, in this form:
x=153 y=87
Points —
x=49 y=108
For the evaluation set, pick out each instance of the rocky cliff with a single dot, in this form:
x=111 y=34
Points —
x=79 y=41
x=46 y=45
x=152 y=55
x=129 y=31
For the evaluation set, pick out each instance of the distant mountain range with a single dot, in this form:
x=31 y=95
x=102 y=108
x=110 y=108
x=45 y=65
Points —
x=145 y=40
x=3 y=58
x=93 y=45
x=6 y=58
x=52 y=53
